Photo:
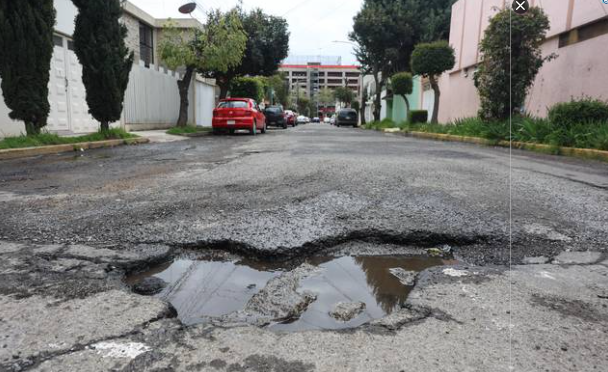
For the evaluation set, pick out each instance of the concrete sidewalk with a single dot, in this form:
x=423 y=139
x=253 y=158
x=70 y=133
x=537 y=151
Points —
x=159 y=136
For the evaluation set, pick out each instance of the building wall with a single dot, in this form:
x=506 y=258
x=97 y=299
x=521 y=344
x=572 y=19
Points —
x=575 y=72
x=132 y=39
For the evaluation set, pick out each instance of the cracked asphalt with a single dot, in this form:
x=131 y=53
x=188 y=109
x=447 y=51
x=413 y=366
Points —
x=73 y=225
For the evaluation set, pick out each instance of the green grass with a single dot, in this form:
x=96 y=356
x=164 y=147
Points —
x=591 y=135
x=46 y=139
x=188 y=130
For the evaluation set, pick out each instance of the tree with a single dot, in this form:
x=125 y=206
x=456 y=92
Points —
x=515 y=67
x=219 y=46
x=277 y=90
x=344 y=95
x=403 y=85
x=364 y=98
x=435 y=18
x=247 y=87
x=267 y=46
x=431 y=60
x=326 y=97
x=99 y=43
x=304 y=105
x=26 y=45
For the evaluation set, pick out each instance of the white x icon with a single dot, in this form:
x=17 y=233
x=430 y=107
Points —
x=521 y=5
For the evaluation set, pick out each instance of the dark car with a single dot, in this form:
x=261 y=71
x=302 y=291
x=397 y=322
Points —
x=275 y=116
x=347 y=117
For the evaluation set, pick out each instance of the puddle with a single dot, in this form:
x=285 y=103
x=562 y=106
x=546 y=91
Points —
x=203 y=289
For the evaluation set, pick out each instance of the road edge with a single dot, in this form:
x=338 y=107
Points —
x=8 y=154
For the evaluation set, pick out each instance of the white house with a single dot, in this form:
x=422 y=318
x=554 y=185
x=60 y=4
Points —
x=151 y=99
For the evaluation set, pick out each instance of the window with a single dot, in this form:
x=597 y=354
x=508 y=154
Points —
x=353 y=74
x=146 y=44
x=233 y=104
x=583 y=33
x=58 y=41
x=334 y=74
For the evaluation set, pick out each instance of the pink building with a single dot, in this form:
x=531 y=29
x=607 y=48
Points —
x=578 y=35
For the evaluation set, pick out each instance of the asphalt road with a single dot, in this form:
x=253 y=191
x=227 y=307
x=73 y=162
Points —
x=72 y=225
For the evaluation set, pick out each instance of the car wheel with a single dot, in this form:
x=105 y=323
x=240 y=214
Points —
x=264 y=128
x=254 y=129
x=285 y=126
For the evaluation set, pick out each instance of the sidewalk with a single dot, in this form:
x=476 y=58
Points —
x=159 y=136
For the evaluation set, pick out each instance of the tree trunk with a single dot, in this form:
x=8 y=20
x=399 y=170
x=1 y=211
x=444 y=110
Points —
x=362 y=114
x=407 y=106
x=184 y=87
x=223 y=88
x=105 y=126
x=435 y=87
x=31 y=128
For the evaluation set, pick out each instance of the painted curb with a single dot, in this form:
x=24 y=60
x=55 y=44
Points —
x=547 y=149
x=25 y=152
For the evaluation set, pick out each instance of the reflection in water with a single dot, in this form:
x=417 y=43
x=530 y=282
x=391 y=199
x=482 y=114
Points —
x=387 y=288
x=207 y=287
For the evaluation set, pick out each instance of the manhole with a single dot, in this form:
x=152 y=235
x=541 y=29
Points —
x=212 y=289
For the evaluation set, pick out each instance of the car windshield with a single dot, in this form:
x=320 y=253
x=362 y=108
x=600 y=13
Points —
x=274 y=110
x=233 y=104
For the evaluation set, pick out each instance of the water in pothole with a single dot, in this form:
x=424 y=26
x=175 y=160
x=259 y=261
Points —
x=208 y=289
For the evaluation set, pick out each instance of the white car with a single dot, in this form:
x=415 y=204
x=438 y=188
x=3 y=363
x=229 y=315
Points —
x=302 y=119
x=327 y=120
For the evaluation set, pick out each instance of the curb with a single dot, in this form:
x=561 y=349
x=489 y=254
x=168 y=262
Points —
x=547 y=149
x=7 y=154
x=194 y=135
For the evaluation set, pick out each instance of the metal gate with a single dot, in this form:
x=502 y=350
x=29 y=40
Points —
x=67 y=95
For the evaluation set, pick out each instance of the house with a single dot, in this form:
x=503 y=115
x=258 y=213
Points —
x=152 y=97
x=578 y=36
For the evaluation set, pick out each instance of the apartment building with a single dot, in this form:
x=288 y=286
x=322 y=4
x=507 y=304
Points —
x=309 y=75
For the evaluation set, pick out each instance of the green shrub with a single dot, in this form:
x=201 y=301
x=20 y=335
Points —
x=247 y=87
x=379 y=125
x=581 y=111
x=418 y=116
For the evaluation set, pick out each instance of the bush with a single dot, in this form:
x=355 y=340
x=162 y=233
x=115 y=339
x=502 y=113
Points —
x=502 y=67
x=379 y=125
x=418 y=116
x=582 y=111
x=247 y=87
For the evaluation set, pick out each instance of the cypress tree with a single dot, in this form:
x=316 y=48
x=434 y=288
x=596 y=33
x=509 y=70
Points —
x=26 y=49
x=99 y=43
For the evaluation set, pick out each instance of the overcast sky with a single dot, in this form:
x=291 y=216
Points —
x=314 y=24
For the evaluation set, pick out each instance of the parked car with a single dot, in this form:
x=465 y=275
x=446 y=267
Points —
x=332 y=121
x=301 y=119
x=290 y=117
x=275 y=117
x=327 y=120
x=347 y=117
x=316 y=120
x=234 y=114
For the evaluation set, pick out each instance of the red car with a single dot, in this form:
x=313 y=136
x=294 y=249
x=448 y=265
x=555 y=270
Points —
x=234 y=114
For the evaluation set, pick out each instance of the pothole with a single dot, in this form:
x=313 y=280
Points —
x=319 y=292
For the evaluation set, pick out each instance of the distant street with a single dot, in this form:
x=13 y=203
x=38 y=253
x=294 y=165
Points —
x=73 y=224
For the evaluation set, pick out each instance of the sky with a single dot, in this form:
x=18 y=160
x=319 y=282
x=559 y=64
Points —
x=314 y=24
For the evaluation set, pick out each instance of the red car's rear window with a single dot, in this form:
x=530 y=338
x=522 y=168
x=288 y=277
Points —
x=233 y=104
